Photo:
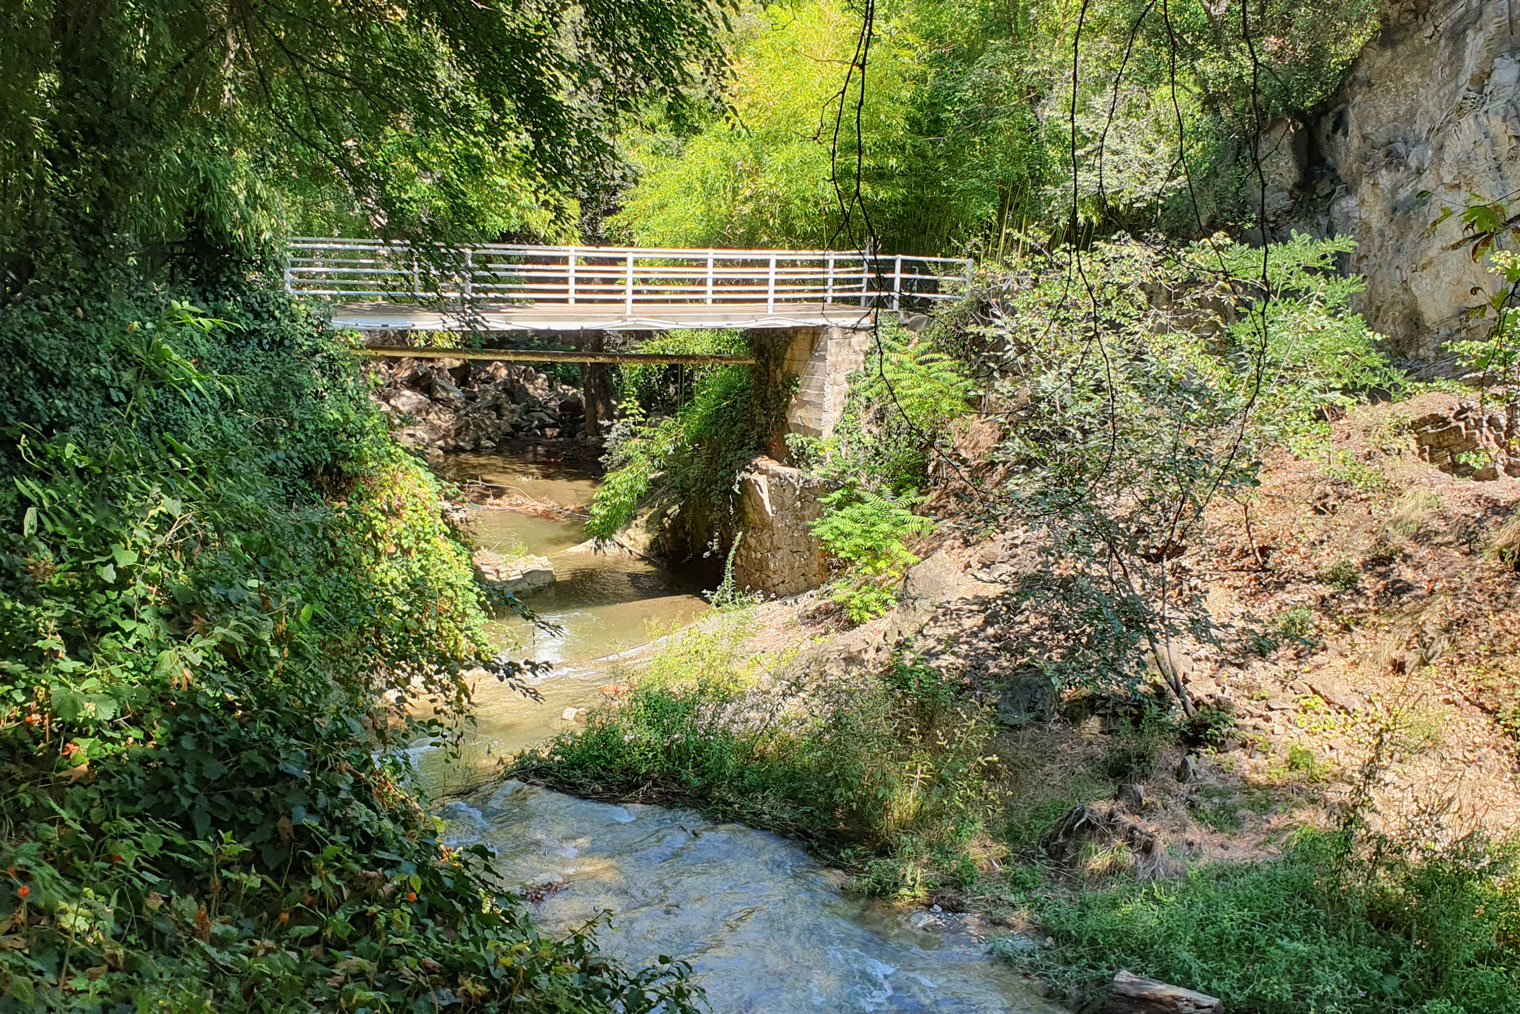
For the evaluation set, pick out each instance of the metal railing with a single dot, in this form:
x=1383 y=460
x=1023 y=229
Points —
x=607 y=276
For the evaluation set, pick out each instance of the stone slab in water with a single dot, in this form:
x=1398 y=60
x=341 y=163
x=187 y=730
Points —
x=516 y=576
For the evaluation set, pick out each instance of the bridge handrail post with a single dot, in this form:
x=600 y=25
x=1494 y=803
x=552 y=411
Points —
x=828 y=296
x=469 y=272
x=628 y=287
x=416 y=276
x=770 y=286
x=897 y=284
x=711 y=273
x=570 y=274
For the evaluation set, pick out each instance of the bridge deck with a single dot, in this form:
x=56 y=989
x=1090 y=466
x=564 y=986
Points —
x=544 y=317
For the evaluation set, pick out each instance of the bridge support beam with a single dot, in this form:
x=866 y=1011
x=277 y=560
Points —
x=596 y=385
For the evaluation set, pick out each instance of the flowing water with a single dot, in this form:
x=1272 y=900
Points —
x=765 y=927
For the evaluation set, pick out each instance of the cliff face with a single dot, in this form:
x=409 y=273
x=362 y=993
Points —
x=1428 y=117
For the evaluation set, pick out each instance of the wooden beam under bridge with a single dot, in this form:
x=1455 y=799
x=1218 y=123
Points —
x=530 y=356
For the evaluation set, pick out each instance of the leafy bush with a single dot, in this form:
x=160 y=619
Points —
x=695 y=455
x=223 y=592
x=1318 y=930
x=883 y=776
x=659 y=389
x=1137 y=398
x=900 y=409
x=902 y=406
x=866 y=530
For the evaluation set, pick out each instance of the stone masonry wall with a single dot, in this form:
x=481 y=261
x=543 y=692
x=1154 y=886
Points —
x=1469 y=440
x=777 y=554
x=822 y=359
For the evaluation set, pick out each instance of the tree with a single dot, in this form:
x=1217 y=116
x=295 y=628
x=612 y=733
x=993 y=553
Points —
x=188 y=127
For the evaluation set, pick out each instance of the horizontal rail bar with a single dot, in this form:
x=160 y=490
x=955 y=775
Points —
x=531 y=356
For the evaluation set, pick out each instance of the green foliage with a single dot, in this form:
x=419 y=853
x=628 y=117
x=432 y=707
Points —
x=1321 y=929
x=1169 y=96
x=967 y=124
x=1142 y=384
x=1341 y=575
x=207 y=129
x=1496 y=356
x=666 y=388
x=883 y=776
x=760 y=174
x=224 y=592
x=901 y=409
x=693 y=457
x=902 y=406
x=866 y=530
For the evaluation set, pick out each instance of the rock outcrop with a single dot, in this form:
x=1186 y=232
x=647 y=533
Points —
x=454 y=404
x=1468 y=439
x=1428 y=117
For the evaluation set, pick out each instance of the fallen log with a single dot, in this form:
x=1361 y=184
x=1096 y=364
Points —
x=1132 y=994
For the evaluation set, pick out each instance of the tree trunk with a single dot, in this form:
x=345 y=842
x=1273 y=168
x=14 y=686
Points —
x=596 y=385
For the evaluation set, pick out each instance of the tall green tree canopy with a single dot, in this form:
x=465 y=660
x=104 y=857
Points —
x=972 y=113
x=136 y=123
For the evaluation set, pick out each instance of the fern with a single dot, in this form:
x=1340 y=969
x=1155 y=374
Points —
x=868 y=531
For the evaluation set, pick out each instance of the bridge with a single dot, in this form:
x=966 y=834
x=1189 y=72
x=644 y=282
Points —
x=501 y=288
x=822 y=303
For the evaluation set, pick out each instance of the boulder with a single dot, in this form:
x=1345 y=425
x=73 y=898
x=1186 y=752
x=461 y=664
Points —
x=403 y=401
x=1031 y=696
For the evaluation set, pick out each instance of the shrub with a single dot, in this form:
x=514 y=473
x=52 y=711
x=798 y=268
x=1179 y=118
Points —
x=867 y=530
x=223 y=591
x=1341 y=575
x=695 y=455
x=882 y=776
x=1129 y=412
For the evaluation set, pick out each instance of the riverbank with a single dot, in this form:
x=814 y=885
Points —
x=723 y=896
x=1329 y=833
x=226 y=594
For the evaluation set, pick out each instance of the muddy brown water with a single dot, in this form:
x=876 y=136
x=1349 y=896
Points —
x=765 y=926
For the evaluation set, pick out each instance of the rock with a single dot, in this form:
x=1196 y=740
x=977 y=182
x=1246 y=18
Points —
x=1335 y=691
x=407 y=402
x=446 y=393
x=1131 y=994
x=513 y=576
x=1428 y=115
x=572 y=714
x=1186 y=769
x=922 y=920
x=1030 y=697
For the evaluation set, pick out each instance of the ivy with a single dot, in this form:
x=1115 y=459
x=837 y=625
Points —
x=225 y=596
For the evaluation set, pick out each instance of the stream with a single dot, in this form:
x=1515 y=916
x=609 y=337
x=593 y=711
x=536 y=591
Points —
x=765 y=926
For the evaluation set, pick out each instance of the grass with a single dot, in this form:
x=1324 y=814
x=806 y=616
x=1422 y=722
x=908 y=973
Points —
x=883 y=776
x=1341 y=575
x=888 y=776
x=1317 y=930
